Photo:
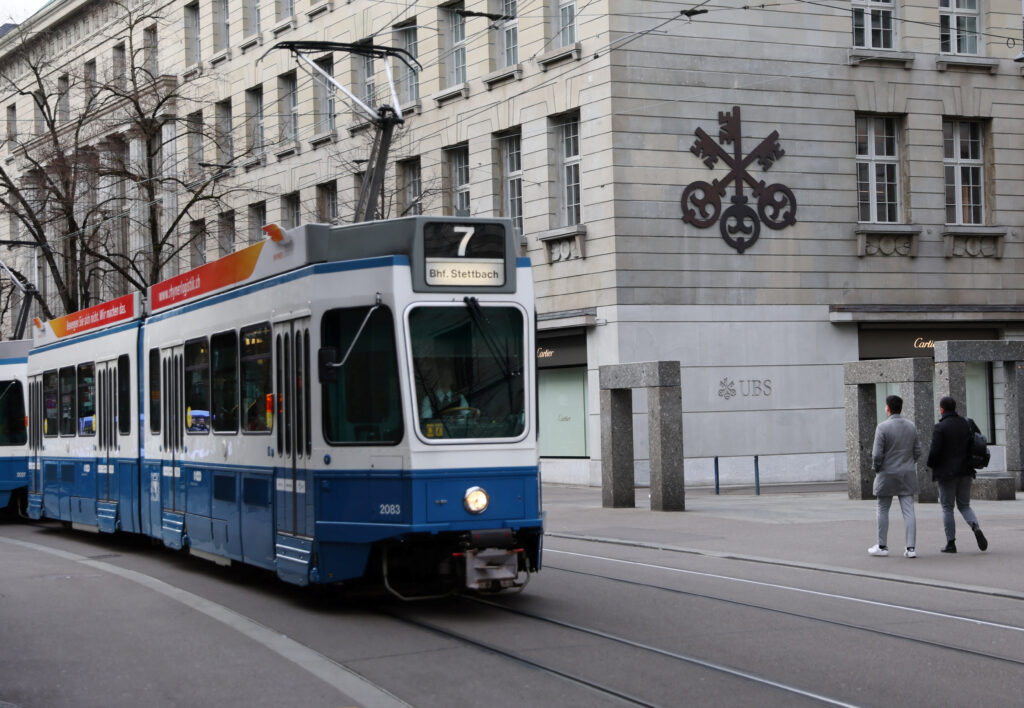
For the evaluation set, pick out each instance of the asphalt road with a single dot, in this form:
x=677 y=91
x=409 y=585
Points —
x=90 y=620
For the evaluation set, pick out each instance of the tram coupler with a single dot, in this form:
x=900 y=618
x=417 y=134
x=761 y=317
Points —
x=492 y=568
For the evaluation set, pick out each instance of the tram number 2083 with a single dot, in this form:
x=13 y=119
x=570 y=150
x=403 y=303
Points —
x=390 y=509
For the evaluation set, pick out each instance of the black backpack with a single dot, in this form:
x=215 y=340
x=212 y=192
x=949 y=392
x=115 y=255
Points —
x=977 y=450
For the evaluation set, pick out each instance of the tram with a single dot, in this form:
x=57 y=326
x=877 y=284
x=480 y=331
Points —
x=13 y=428
x=332 y=403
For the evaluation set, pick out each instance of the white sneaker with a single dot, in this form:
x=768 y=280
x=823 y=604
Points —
x=910 y=553
x=877 y=550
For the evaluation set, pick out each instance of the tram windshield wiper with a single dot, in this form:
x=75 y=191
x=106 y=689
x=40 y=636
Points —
x=327 y=354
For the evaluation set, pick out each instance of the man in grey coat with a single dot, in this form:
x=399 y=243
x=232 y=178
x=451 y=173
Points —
x=894 y=457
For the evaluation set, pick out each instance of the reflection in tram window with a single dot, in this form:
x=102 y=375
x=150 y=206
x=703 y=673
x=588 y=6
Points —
x=363 y=405
x=67 y=400
x=197 y=386
x=154 y=390
x=50 y=404
x=224 y=357
x=124 y=392
x=12 y=414
x=256 y=379
x=468 y=364
x=86 y=399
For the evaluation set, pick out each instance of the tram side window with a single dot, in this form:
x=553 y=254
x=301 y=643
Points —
x=67 y=400
x=363 y=405
x=154 y=390
x=12 y=414
x=50 y=398
x=197 y=386
x=224 y=357
x=124 y=395
x=256 y=382
x=86 y=399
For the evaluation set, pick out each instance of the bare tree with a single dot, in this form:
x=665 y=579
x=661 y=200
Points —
x=112 y=172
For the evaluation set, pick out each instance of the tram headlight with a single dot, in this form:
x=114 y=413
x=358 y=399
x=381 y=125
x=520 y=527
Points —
x=476 y=500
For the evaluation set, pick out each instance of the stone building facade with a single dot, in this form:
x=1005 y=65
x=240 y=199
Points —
x=761 y=194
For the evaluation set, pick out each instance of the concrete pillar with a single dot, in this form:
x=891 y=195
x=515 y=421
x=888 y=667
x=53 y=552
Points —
x=665 y=431
x=860 y=434
x=617 y=485
x=951 y=380
x=1014 y=374
x=918 y=402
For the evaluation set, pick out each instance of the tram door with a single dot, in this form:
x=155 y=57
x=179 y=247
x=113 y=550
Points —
x=170 y=501
x=106 y=442
x=293 y=427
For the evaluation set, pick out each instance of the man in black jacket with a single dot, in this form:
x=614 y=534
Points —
x=948 y=460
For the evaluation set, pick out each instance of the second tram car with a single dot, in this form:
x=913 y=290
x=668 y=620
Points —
x=13 y=431
x=331 y=403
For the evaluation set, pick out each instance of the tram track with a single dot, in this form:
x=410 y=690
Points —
x=720 y=669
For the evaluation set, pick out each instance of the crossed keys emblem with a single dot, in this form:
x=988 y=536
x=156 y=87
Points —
x=740 y=224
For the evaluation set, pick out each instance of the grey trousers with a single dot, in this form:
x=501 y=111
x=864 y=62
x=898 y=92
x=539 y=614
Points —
x=909 y=519
x=958 y=491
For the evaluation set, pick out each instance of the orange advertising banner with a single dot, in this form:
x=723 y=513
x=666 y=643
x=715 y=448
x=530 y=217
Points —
x=221 y=273
x=120 y=310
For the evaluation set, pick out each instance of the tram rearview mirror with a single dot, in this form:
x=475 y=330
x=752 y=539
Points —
x=327 y=362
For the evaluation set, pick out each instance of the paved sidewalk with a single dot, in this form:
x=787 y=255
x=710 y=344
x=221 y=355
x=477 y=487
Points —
x=814 y=525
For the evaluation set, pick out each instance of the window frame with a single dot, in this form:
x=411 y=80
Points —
x=244 y=360
x=877 y=17
x=871 y=160
x=950 y=36
x=232 y=387
x=454 y=51
x=510 y=147
x=459 y=179
x=190 y=366
x=568 y=158
x=953 y=161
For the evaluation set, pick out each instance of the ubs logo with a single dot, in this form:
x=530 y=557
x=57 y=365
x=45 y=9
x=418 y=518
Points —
x=748 y=388
x=740 y=225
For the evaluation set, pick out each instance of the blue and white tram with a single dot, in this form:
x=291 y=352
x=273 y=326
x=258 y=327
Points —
x=13 y=429
x=332 y=403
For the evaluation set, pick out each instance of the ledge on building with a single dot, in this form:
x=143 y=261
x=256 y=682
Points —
x=852 y=314
x=974 y=241
x=411 y=107
x=253 y=40
x=359 y=126
x=954 y=61
x=863 y=55
x=221 y=56
x=284 y=25
x=254 y=161
x=508 y=73
x=288 y=147
x=568 y=52
x=451 y=93
x=193 y=71
x=887 y=239
x=322 y=138
x=584 y=317
x=564 y=244
x=319 y=8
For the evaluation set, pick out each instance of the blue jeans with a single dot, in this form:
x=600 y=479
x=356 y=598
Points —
x=958 y=491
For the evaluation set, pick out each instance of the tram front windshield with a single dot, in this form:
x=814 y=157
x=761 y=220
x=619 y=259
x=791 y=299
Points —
x=468 y=367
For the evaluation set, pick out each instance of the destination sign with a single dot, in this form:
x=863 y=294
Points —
x=464 y=254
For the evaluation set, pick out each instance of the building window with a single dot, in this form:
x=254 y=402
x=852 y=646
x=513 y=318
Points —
x=195 y=142
x=568 y=133
x=507 y=30
x=89 y=78
x=363 y=80
x=12 y=122
x=149 y=52
x=251 y=17
x=221 y=28
x=454 y=51
x=288 y=106
x=197 y=243
x=63 y=99
x=257 y=220
x=291 y=215
x=958 y=26
x=327 y=202
x=458 y=179
x=872 y=24
x=254 y=120
x=407 y=85
x=285 y=9
x=565 y=22
x=225 y=145
x=193 y=55
x=225 y=233
x=963 y=163
x=877 y=169
x=323 y=92
x=512 y=180
x=411 y=188
x=119 y=66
